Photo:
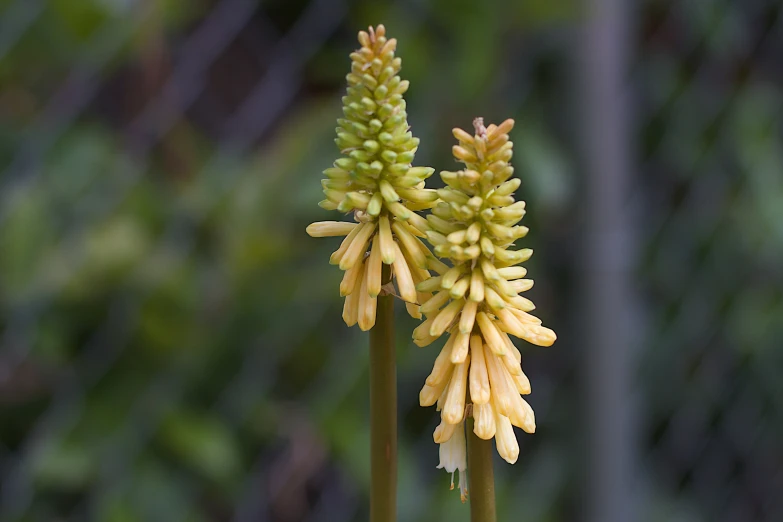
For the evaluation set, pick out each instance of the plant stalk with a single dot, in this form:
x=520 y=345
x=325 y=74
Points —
x=481 y=480
x=383 y=410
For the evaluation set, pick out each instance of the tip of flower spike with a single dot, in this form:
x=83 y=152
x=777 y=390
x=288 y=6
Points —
x=478 y=125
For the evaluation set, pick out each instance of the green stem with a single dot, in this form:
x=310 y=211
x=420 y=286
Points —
x=481 y=481
x=383 y=411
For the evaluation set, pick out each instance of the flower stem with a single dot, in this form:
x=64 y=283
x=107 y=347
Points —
x=481 y=480
x=383 y=410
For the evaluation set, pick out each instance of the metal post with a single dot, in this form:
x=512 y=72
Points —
x=607 y=311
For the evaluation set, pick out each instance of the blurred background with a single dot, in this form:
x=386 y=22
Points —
x=171 y=347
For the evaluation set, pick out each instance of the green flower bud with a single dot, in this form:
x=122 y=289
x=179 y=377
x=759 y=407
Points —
x=378 y=150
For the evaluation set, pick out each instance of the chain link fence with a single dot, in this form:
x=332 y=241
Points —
x=170 y=342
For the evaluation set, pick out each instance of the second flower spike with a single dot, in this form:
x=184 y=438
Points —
x=476 y=301
x=375 y=182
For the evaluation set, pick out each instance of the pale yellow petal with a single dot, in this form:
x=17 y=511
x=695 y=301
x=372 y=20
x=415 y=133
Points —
x=367 y=304
x=435 y=303
x=445 y=317
x=484 y=421
x=443 y=432
x=521 y=414
x=386 y=240
x=454 y=407
x=493 y=299
x=460 y=348
x=350 y=277
x=502 y=397
x=521 y=285
x=348 y=241
x=479 y=378
x=522 y=383
x=512 y=272
x=430 y=395
x=330 y=228
x=351 y=307
x=539 y=335
x=441 y=369
x=468 y=317
x=505 y=439
x=423 y=330
x=425 y=340
x=374 y=268
x=524 y=317
x=358 y=246
x=410 y=243
x=450 y=277
x=509 y=323
x=460 y=287
x=403 y=275
x=476 y=286
x=490 y=333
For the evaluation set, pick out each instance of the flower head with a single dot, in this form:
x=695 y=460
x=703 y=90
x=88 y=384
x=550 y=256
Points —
x=376 y=183
x=477 y=300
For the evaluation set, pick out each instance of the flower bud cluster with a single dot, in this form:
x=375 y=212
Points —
x=476 y=301
x=375 y=181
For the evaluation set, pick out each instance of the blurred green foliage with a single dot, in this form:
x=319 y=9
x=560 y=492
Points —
x=171 y=339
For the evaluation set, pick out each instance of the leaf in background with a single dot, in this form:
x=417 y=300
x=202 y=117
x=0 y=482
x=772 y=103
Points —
x=63 y=464
x=543 y=167
x=203 y=443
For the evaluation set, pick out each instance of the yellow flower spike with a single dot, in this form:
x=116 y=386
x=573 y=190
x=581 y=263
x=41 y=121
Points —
x=476 y=300
x=375 y=181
